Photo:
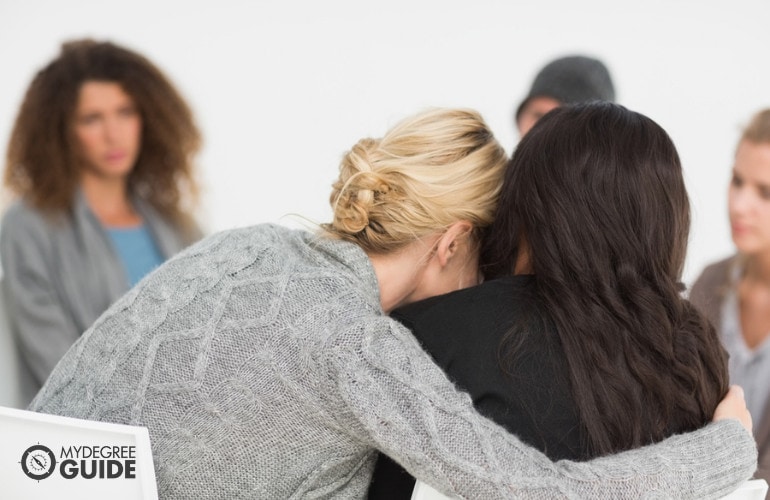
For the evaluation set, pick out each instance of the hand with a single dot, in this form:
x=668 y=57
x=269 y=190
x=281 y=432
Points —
x=734 y=406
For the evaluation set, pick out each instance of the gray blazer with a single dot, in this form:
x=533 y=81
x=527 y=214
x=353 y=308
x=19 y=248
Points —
x=61 y=272
x=707 y=294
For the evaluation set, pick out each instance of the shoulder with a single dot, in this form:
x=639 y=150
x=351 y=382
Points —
x=713 y=277
x=272 y=253
x=21 y=221
x=719 y=268
x=260 y=238
x=708 y=291
x=488 y=297
x=232 y=245
x=20 y=213
x=469 y=317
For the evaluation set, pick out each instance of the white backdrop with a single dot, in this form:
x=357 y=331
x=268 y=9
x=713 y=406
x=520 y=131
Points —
x=281 y=88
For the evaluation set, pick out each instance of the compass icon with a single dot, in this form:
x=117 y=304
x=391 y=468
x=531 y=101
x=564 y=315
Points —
x=38 y=462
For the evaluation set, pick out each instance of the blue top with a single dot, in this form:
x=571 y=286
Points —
x=137 y=250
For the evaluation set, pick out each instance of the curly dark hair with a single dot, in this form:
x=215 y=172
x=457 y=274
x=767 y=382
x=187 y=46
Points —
x=596 y=194
x=41 y=163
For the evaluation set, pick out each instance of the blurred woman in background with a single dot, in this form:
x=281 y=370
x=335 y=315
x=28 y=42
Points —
x=100 y=160
x=735 y=292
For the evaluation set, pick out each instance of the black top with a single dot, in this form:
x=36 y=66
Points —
x=530 y=395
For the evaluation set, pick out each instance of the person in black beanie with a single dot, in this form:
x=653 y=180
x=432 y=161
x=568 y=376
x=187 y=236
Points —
x=565 y=80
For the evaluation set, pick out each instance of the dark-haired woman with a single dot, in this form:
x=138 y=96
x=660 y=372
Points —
x=579 y=341
x=100 y=159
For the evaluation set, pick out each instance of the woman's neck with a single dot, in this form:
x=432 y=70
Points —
x=431 y=265
x=406 y=275
x=108 y=200
x=397 y=276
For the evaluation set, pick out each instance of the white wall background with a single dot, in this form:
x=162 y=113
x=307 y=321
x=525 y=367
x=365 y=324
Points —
x=282 y=88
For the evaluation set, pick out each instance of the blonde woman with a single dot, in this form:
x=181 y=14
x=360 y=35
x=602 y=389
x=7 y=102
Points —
x=100 y=164
x=264 y=363
x=735 y=292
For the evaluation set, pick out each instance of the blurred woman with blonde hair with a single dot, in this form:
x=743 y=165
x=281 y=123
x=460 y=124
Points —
x=264 y=364
x=735 y=292
x=101 y=161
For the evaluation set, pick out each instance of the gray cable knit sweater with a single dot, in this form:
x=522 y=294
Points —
x=264 y=367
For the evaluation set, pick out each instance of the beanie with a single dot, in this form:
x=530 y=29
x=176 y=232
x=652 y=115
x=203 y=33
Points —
x=570 y=80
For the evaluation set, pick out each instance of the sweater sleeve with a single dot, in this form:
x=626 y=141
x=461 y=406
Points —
x=398 y=401
x=42 y=329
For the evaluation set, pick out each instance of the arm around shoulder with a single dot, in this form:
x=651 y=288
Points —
x=402 y=403
x=707 y=290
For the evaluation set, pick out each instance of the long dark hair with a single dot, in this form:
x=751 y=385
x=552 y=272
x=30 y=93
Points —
x=41 y=162
x=596 y=192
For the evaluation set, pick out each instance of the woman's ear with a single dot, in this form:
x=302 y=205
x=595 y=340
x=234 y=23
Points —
x=451 y=243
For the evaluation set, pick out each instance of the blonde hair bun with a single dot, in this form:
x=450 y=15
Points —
x=358 y=188
x=427 y=172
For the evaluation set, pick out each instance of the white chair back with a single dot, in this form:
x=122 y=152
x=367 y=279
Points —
x=422 y=491
x=754 y=489
x=46 y=456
